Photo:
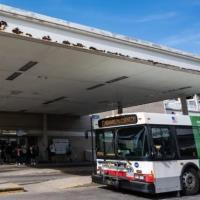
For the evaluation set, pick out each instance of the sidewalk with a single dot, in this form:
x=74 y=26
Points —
x=44 y=178
x=60 y=184
x=48 y=186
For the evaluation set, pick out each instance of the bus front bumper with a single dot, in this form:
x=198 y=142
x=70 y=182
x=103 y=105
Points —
x=125 y=184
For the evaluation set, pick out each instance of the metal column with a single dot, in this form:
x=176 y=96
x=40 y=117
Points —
x=92 y=144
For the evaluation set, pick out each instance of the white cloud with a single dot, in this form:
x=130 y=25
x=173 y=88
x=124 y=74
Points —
x=113 y=18
x=157 y=17
x=144 y=19
x=187 y=40
x=191 y=37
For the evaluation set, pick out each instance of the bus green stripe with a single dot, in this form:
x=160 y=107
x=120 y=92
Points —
x=196 y=131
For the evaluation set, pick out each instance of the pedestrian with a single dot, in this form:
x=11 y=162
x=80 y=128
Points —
x=28 y=155
x=1 y=160
x=18 y=155
x=24 y=154
x=69 y=152
x=33 y=153
x=3 y=153
x=36 y=150
x=51 y=151
x=8 y=153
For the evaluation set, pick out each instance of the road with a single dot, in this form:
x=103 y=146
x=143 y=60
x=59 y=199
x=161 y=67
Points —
x=36 y=182
x=91 y=193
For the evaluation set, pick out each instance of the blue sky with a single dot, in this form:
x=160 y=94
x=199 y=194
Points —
x=173 y=23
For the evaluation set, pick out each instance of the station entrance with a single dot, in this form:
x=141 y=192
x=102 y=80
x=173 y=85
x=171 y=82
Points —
x=9 y=144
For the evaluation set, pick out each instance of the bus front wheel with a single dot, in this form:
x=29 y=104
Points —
x=190 y=182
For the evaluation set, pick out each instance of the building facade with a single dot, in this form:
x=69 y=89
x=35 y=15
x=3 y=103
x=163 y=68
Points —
x=170 y=106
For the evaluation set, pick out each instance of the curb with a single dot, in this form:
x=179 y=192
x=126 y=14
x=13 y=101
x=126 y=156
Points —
x=10 y=187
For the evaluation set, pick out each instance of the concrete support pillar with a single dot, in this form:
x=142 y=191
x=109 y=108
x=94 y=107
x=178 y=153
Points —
x=184 y=105
x=119 y=107
x=44 y=139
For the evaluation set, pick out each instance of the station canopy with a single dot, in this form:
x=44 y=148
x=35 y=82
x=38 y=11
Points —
x=52 y=66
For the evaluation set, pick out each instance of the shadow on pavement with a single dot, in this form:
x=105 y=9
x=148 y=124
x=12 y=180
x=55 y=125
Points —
x=171 y=195
x=83 y=169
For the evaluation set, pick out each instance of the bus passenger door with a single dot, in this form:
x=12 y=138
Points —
x=166 y=168
x=167 y=177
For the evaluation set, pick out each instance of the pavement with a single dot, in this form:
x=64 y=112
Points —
x=92 y=193
x=61 y=183
x=43 y=178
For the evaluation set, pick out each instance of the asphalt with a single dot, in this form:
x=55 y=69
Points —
x=61 y=183
x=92 y=193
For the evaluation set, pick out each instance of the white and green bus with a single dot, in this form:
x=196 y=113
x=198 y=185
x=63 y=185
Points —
x=149 y=152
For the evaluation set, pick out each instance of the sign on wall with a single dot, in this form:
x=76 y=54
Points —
x=61 y=145
x=95 y=119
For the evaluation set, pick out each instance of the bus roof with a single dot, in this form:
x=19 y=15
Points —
x=144 y=118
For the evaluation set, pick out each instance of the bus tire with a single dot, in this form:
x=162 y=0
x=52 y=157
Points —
x=190 y=182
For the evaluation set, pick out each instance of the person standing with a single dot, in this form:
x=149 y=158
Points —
x=8 y=153
x=1 y=160
x=24 y=154
x=69 y=152
x=36 y=151
x=52 y=151
x=32 y=155
x=18 y=155
x=3 y=153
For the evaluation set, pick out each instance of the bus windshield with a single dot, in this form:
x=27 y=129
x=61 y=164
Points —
x=132 y=143
x=105 y=143
x=126 y=143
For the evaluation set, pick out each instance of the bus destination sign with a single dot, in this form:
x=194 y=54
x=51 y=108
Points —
x=118 y=120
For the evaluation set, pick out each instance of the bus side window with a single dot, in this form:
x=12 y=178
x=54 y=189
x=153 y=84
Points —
x=163 y=143
x=186 y=142
x=99 y=144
